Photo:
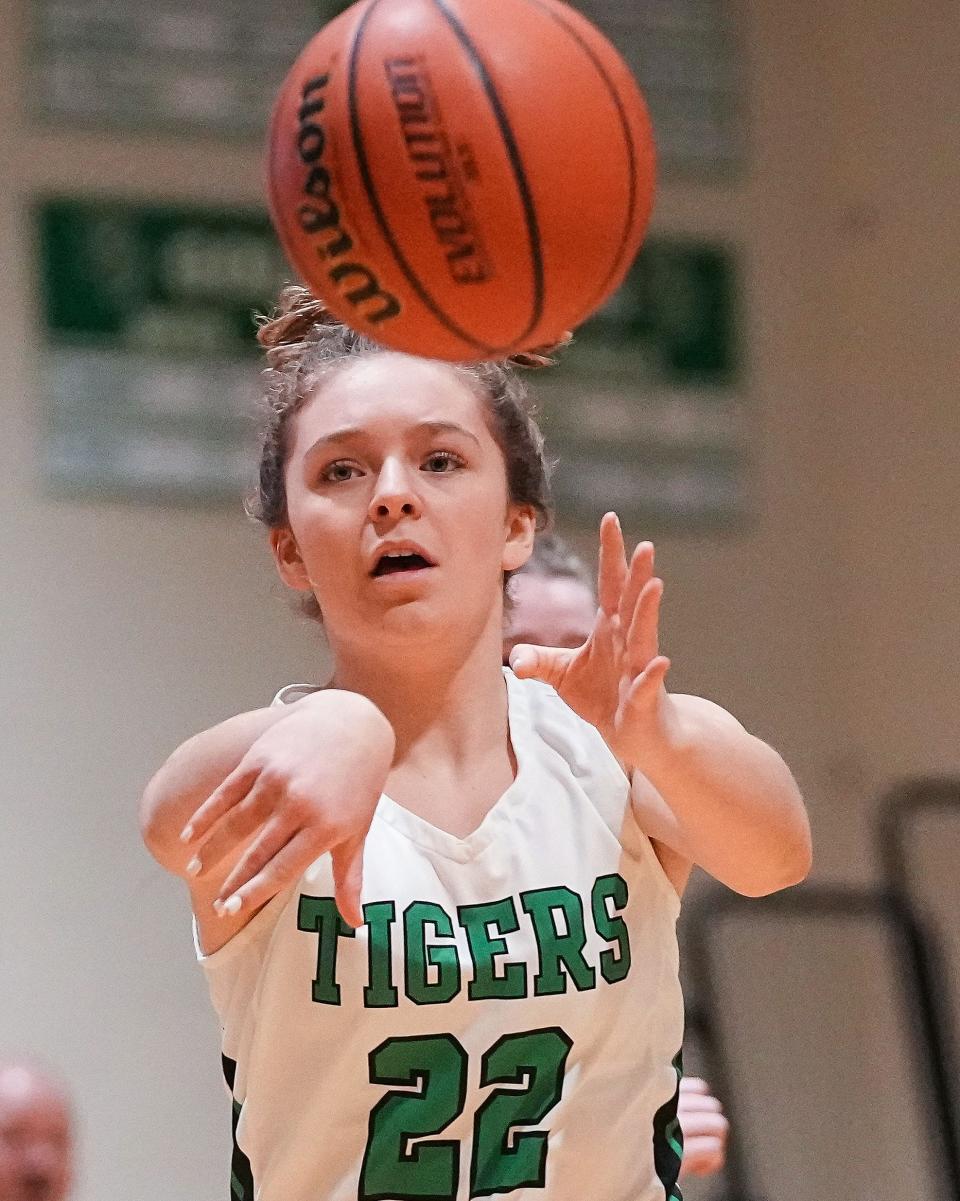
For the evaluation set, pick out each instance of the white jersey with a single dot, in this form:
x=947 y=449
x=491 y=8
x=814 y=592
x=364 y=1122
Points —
x=506 y=1022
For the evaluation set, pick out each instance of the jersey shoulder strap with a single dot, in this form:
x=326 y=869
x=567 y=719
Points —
x=582 y=748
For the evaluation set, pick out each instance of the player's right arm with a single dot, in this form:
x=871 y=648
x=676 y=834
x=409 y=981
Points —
x=241 y=810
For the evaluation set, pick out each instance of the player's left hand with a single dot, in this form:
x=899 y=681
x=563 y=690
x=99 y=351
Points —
x=616 y=679
x=705 y=1129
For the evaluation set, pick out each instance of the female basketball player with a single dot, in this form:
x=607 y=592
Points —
x=435 y=901
x=552 y=603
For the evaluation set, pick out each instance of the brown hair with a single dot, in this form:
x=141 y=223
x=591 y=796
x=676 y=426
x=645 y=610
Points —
x=303 y=342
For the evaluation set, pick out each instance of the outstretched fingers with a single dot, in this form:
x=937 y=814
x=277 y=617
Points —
x=271 y=840
x=348 y=880
x=267 y=868
x=240 y=817
x=642 y=642
x=223 y=798
x=645 y=689
x=275 y=861
x=639 y=575
x=612 y=569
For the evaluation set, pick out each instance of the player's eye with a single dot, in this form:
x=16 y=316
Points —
x=440 y=461
x=339 y=472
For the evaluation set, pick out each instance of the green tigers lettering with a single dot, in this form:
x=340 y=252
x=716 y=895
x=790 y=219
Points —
x=416 y=950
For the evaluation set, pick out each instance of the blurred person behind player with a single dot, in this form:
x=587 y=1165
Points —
x=553 y=603
x=36 y=1134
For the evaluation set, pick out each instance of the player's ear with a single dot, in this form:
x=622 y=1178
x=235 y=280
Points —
x=286 y=555
x=521 y=531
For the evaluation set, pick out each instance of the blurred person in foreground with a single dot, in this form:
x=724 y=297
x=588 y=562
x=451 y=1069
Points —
x=36 y=1134
x=553 y=603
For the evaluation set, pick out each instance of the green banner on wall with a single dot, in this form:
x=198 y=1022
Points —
x=150 y=370
x=644 y=412
x=149 y=366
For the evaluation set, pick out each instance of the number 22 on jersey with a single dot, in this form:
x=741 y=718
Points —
x=397 y=1166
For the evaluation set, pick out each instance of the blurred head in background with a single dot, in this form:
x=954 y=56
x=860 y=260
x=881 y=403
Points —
x=36 y=1134
x=552 y=601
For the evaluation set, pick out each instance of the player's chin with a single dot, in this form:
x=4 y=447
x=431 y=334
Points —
x=410 y=606
x=436 y=602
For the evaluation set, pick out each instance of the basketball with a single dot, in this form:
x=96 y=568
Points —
x=460 y=179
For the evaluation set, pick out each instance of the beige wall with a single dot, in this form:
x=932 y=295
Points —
x=829 y=625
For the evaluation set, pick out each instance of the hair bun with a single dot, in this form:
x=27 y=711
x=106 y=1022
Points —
x=298 y=312
x=541 y=356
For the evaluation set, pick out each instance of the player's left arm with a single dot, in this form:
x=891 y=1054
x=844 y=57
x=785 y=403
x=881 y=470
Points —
x=717 y=796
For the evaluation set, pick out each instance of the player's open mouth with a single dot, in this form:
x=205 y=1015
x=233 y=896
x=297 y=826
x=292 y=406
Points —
x=400 y=562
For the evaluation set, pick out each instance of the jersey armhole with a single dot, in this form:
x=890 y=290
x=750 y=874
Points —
x=259 y=927
x=637 y=843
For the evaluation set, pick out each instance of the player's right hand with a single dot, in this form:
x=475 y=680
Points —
x=308 y=785
x=615 y=680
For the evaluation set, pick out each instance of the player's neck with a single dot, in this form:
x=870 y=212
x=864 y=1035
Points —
x=448 y=701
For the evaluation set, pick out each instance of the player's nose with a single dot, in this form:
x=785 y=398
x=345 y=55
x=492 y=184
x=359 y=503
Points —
x=395 y=494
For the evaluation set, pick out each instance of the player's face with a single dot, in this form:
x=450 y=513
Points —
x=548 y=612
x=397 y=498
x=35 y=1140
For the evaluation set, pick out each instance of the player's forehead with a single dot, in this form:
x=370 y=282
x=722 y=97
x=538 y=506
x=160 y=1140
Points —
x=386 y=394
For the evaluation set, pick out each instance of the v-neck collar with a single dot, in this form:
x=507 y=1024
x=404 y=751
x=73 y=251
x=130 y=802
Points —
x=441 y=842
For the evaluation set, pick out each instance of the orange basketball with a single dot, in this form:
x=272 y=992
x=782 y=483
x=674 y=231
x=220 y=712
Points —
x=461 y=179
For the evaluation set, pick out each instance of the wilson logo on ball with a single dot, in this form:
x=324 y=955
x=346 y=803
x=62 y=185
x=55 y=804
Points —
x=319 y=214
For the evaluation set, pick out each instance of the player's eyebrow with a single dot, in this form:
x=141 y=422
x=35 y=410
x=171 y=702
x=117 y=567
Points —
x=356 y=433
x=447 y=427
x=346 y=433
